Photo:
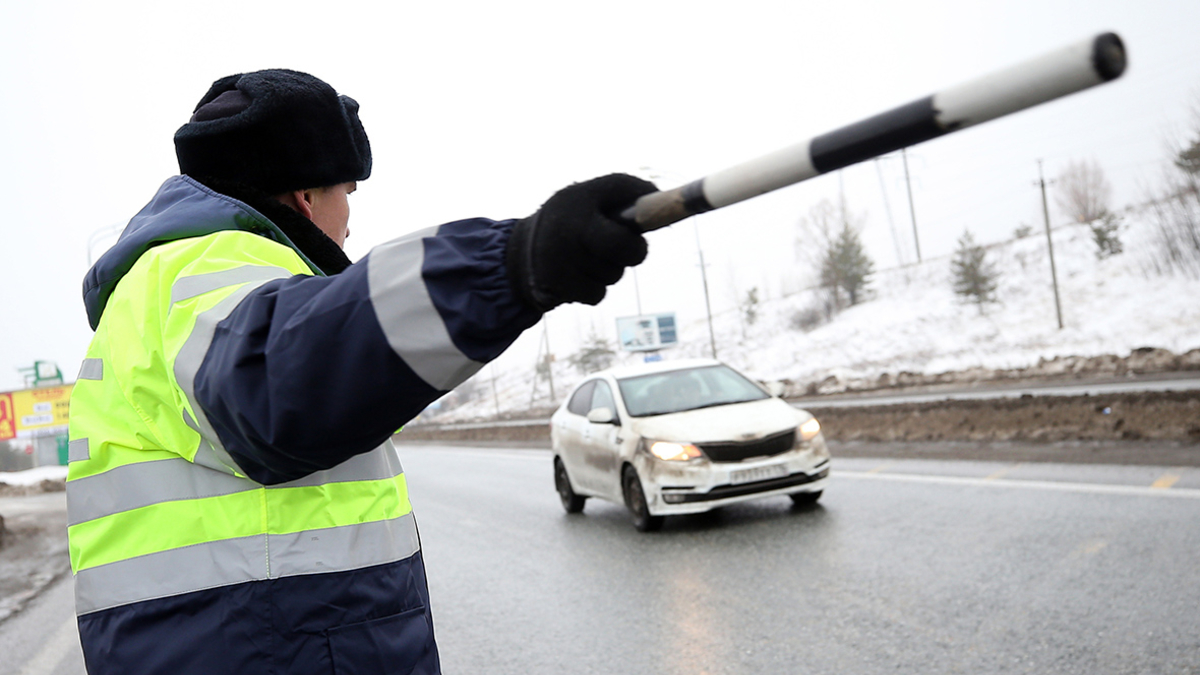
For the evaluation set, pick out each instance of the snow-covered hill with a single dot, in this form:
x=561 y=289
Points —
x=911 y=321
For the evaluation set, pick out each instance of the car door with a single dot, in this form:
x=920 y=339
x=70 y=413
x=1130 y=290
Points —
x=569 y=429
x=601 y=444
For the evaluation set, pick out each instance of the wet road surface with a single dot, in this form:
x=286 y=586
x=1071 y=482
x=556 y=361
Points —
x=911 y=566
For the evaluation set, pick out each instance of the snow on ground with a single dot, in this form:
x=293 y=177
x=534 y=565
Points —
x=912 y=321
x=33 y=476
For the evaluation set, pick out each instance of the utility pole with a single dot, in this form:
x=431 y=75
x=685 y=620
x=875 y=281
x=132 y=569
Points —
x=549 y=357
x=887 y=208
x=1041 y=182
x=912 y=211
x=543 y=359
x=495 y=396
x=712 y=339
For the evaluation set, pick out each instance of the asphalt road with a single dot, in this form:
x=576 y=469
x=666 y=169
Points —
x=910 y=566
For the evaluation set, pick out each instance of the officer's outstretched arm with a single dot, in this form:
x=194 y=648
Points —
x=306 y=372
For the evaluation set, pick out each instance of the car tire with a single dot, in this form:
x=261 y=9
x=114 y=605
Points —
x=805 y=498
x=635 y=499
x=571 y=502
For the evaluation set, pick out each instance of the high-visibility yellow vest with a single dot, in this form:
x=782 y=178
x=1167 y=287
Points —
x=156 y=506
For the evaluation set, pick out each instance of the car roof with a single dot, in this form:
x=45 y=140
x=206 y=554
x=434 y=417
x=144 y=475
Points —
x=658 y=367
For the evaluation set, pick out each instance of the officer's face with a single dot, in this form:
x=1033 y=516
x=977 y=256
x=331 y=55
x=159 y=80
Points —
x=331 y=210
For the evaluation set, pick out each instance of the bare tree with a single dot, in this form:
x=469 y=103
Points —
x=1083 y=193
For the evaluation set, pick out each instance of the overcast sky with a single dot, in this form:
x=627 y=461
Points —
x=486 y=108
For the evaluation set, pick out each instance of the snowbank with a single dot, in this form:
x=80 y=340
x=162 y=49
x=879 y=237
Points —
x=33 y=476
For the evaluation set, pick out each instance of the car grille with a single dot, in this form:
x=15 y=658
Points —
x=763 y=447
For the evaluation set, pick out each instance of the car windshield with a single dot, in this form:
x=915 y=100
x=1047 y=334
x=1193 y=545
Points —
x=689 y=389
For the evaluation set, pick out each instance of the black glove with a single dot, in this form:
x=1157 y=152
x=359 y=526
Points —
x=574 y=246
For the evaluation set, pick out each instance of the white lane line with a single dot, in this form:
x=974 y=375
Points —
x=51 y=654
x=1090 y=488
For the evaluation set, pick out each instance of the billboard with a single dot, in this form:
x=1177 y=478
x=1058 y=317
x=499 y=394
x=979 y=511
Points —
x=34 y=412
x=648 y=332
x=8 y=419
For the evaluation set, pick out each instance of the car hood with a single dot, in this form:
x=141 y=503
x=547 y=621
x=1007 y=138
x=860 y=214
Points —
x=735 y=422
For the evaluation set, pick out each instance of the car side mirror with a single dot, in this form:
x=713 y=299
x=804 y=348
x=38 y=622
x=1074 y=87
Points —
x=602 y=416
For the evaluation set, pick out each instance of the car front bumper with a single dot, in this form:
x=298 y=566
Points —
x=673 y=489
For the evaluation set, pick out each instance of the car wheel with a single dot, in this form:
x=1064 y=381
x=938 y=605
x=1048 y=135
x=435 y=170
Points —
x=572 y=502
x=805 y=498
x=635 y=499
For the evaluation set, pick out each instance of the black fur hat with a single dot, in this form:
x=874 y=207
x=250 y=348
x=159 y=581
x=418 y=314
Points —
x=275 y=130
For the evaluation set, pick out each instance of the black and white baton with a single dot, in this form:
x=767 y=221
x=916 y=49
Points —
x=1064 y=71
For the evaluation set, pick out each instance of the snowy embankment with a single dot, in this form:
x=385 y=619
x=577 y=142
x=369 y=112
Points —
x=33 y=476
x=912 y=322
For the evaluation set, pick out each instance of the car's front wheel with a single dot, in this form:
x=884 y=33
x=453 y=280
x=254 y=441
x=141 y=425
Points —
x=805 y=498
x=572 y=502
x=635 y=499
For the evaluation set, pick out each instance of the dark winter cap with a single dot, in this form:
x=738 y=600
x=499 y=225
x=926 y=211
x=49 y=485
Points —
x=276 y=130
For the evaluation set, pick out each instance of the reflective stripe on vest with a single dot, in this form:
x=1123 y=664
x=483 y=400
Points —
x=191 y=356
x=231 y=561
x=212 y=529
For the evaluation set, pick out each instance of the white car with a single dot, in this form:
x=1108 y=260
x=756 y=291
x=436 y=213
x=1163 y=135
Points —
x=676 y=437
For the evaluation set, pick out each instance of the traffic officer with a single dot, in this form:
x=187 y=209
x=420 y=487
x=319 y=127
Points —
x=235 y=501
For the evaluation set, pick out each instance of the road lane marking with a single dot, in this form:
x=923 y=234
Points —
x=1165 y=481
x=1003 y=472
x=52 y=653
x=881 y=467
x=1089 y=488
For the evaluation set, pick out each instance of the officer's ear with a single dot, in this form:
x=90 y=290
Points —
x=301 y=201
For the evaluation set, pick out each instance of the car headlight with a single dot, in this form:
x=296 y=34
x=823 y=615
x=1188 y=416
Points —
x=810 y=429
x=674 y=451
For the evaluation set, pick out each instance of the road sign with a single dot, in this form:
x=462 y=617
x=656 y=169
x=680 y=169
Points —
x=646 y=333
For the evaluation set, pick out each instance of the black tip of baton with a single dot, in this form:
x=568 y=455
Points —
x=1108 y=56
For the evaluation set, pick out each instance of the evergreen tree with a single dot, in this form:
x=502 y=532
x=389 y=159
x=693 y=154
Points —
x=1188 y=158
x=1105 y=234
x=596 y=354
x=846 y=266
x=975 y=277
x=750 y=306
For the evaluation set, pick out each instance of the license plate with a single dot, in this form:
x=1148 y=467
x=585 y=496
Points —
x=757 y=473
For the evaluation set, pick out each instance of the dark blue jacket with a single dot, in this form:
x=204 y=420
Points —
x=303 y=373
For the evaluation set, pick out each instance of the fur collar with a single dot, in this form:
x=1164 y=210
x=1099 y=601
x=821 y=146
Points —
x=305 y=235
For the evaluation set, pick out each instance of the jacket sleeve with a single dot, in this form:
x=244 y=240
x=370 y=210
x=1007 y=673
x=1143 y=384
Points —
x=305 y=372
